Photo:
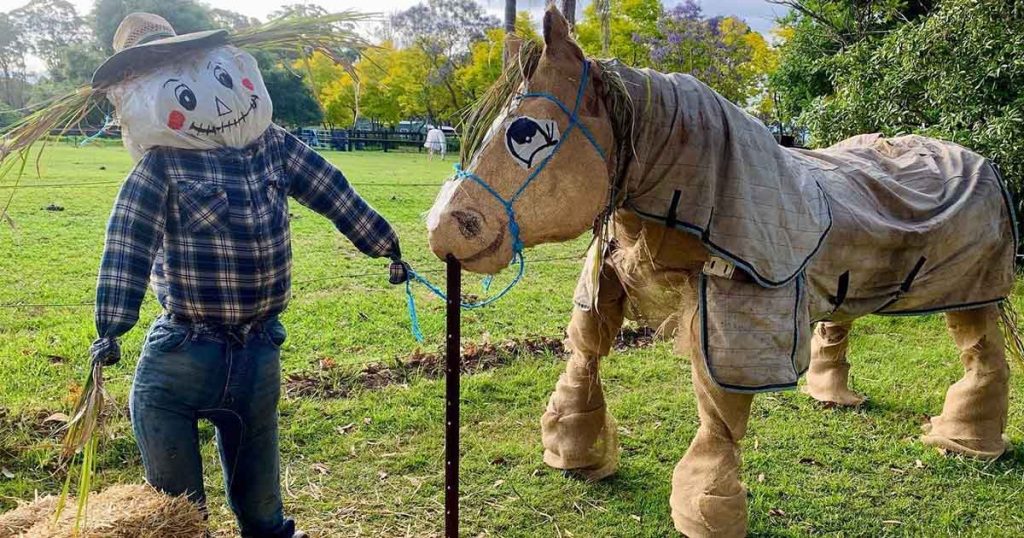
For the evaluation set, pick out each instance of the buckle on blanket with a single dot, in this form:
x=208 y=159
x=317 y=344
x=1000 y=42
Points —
x=719 y=267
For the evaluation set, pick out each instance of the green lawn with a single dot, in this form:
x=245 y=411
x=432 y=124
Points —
x=370 y=464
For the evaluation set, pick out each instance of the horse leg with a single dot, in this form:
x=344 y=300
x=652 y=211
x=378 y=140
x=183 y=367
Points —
x=708 y=498
x=974 y=414
x=829 y=374
x=577 y=431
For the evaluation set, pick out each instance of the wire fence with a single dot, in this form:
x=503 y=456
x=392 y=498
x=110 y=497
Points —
x=334 y=278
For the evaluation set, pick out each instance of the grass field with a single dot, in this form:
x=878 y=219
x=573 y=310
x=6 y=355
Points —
x=370 y=464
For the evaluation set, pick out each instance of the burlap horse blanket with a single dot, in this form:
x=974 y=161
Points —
x=903 y=225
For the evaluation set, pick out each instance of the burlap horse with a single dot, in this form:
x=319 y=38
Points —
x=708 y=229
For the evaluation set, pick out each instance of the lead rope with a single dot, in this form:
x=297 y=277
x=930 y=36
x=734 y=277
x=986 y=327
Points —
x=513 y=224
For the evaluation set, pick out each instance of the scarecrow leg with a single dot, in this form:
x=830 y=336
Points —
x=829 y=374
x=577 y=431
x=708 y=498
x=974 y=415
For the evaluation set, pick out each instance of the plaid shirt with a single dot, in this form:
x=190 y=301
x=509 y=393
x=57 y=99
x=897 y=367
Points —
x=212 y=229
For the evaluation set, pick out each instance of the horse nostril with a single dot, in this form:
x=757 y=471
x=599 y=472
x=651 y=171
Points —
x=469 y=224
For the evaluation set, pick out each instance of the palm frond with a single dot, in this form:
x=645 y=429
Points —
x=81 y=437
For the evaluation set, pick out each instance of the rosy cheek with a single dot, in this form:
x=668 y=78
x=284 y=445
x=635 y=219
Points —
x=248 y=84
x=175 y=120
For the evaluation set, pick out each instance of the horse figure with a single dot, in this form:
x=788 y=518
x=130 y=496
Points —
x=706 y=228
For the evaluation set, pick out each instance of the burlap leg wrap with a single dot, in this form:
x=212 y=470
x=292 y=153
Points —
x=974 y=414
x=577 y=431
x=708 y=498
x=829 y=374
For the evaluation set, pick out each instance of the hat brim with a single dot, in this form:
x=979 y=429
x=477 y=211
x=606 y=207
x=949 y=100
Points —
x=141 y=58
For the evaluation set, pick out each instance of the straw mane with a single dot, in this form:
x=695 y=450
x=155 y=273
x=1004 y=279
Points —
x=478 y=120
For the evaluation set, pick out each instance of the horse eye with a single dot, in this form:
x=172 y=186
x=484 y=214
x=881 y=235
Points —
x=186 y=98
x=223 y=77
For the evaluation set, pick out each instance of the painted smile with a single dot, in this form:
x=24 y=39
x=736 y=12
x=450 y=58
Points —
x=201 y=129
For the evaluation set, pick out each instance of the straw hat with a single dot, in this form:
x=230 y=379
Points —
x=144 y=41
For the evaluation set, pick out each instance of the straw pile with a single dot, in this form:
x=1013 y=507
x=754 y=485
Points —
x=126 y=511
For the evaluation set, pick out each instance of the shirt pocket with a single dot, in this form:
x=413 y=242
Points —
x=203 y=207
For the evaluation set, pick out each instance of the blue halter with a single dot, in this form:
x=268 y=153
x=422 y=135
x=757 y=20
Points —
x=509 y=203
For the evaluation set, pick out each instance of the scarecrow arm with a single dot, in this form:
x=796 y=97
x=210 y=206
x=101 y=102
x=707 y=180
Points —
x=134 y=234
x=318 y=185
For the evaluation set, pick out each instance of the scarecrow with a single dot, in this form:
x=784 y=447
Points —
x=204 y=218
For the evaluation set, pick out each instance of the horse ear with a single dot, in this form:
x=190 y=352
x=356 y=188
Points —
x=556 y=28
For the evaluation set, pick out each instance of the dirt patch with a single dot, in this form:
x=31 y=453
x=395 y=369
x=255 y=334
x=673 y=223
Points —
x=331 y=381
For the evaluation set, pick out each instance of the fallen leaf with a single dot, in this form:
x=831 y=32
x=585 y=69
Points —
x=7 y=473
x=498 y=483
x=327 y=363
x=57 y=417
x=320 y=468
x=777 y=512
x=344 y=429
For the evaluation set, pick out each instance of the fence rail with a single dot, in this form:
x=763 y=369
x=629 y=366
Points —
x=335 y=139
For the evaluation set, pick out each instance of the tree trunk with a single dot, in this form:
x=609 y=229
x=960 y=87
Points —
x=510 y=16
x=568 y=8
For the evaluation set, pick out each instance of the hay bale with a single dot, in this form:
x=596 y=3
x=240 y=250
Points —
x=22 y=518
x=125 y=511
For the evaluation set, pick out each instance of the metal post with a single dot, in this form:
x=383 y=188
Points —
x=453 y=355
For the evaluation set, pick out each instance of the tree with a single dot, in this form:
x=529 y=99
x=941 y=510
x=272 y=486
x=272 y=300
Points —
x=443 y=30
x=720 y=51
x=50 y=27
x=486 y=57
x=631 y=24
x=13 y=48
x=294 y=104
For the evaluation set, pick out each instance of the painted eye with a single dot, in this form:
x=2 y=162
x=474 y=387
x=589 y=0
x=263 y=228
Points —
x=530 y=141
x=223 y=77
x=185 y=97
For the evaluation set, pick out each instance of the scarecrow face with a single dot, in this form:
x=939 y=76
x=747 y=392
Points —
x=215 y=99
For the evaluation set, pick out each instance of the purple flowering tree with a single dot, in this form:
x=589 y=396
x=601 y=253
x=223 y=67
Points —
x=712 y=49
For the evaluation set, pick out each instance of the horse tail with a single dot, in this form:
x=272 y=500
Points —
x=1011 y=331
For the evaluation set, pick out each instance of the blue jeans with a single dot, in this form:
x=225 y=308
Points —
x=231 y=377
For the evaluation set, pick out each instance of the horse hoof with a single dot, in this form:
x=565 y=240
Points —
x=836 y=397
x=972 y=448
x=593 y=473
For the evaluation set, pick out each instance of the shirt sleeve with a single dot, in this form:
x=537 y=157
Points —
x=318 y=185
x=134 y=235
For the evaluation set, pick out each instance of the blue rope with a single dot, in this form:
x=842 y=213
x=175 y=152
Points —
x=108 y=122
x=513 y=223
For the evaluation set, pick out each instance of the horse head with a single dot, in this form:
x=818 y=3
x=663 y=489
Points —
x=540 y=172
